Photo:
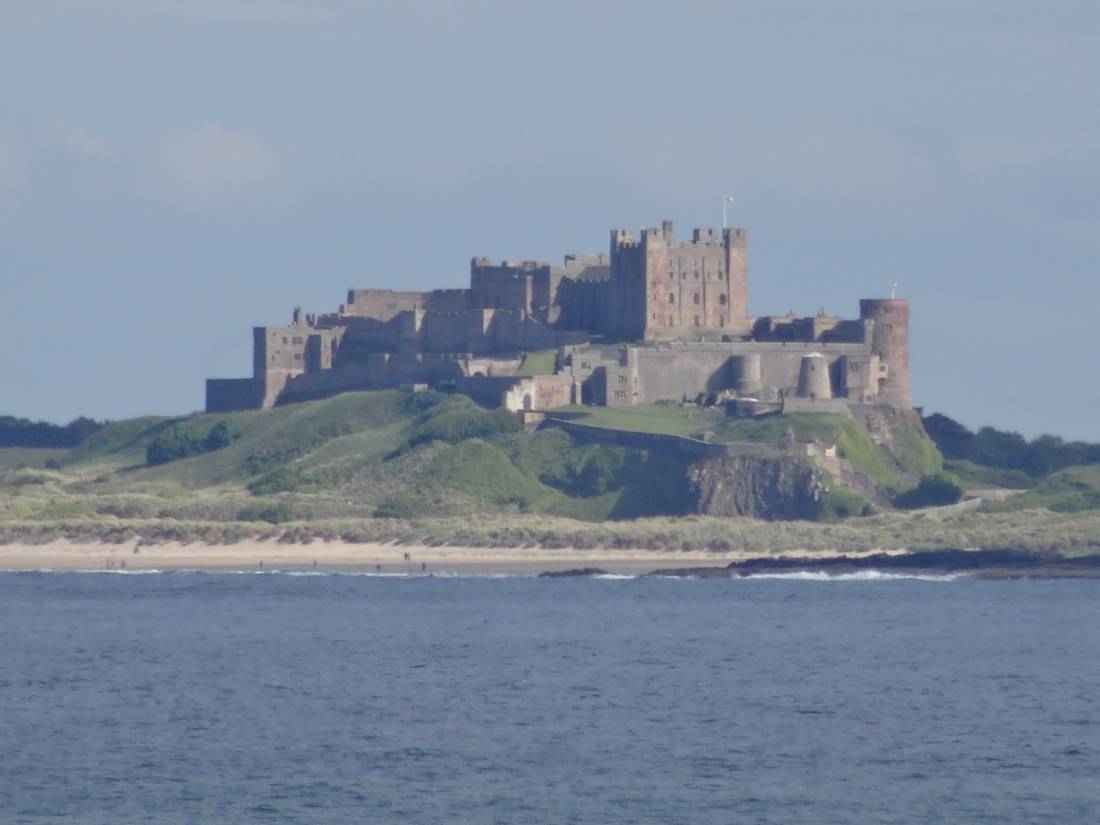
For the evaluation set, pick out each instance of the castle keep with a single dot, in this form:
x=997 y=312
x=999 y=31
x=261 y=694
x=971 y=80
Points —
x=653 y=319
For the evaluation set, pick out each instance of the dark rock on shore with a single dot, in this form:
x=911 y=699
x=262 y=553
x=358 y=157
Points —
x=976 y=563
x=579 y=571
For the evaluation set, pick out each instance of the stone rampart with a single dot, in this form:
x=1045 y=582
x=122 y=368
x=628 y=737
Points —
x=624 y=438
x=231 y=394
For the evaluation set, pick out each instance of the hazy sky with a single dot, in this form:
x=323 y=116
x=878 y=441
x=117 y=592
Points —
x=173 y=172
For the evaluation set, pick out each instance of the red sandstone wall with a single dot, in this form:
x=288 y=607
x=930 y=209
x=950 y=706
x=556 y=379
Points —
x=890 y=341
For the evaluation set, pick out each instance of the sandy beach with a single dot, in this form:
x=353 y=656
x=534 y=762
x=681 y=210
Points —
x=385 y=558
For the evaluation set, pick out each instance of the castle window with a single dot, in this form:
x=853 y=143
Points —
x=284 y=339
x=620 y=395
x=586 y=365
x=696 y=296
x=696 y=320
x=297 y=339
x=621 y=379
x=722 y=299
x=297 y=356
x=671 y=298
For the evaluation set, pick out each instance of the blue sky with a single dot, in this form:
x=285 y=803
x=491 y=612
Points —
x=173 y=173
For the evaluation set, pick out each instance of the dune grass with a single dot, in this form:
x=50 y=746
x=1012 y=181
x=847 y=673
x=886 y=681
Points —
x=1040 y=532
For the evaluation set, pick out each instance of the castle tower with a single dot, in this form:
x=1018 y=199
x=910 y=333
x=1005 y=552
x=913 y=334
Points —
x=889 y=319
x=813 y=378
x=749 y=382
x=662 y=288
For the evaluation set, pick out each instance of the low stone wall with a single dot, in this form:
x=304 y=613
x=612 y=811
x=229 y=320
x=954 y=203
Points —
x=625 y=438
x=329 y=382
x=833 y=406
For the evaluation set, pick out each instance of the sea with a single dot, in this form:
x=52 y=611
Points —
x=268 y=697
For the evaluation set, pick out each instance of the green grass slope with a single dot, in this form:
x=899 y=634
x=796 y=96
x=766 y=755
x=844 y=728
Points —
x=1071 y=490
x=333 y=467
x=16 y=457
x=540 y=362
x=981 y=476
x=911 y=455
x=356 y=455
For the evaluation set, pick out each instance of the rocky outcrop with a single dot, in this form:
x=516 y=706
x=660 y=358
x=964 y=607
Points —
x=573 y=573
x=765 y=488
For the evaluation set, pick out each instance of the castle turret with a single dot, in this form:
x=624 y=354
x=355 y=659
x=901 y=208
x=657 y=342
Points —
x=890 y=342
x=813 y=378
x=749 y=381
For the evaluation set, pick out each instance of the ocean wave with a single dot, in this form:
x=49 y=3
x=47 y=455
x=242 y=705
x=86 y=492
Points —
x=857 y=576
x=797 y=575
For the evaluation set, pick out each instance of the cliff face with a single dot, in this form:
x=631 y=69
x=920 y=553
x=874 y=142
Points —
x=765 y=488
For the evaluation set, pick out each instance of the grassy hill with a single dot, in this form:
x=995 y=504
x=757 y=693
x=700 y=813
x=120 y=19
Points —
x=417 y=467
x=12 y=458
x=357 y=455
x=401 y=455
x=1066 y=491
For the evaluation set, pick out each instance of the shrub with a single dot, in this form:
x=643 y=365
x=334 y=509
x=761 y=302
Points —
x=181 y=441
x=934 y=490
x=280 y=480
x=273 y=513
x=455 y=425
x=839 y=503
x=220 y=435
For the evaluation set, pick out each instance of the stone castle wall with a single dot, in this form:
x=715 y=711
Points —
x=680 y=307
x=230 y=394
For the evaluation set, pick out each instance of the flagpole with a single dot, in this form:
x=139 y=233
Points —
x=725 y=199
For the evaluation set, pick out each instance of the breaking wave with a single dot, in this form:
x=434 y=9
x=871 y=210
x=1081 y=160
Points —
x=857 y=576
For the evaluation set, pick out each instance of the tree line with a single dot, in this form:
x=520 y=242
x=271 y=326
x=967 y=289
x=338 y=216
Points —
x=22 y=432
x=991 y=447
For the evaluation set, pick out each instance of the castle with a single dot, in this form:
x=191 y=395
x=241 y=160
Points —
x=653 y=319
